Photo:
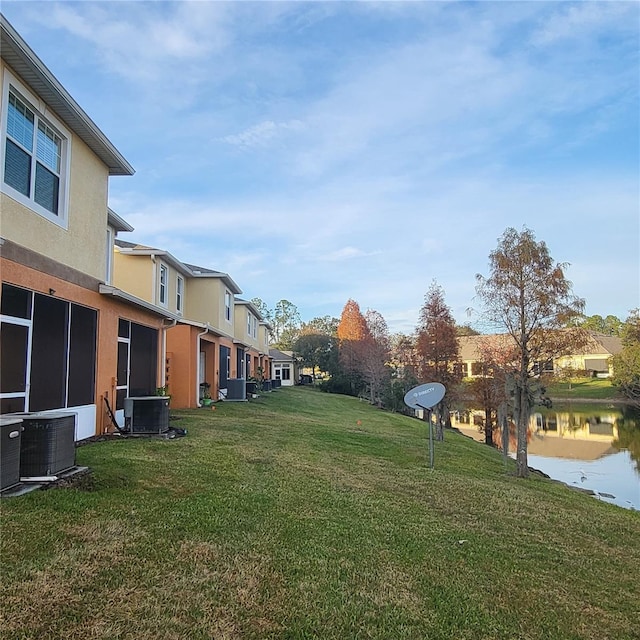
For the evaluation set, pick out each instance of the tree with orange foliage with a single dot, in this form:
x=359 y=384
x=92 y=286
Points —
x=353 y=336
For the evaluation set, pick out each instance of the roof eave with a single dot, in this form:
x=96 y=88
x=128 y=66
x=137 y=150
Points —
x=26 y=64
x=118 y=223
x=109 y=290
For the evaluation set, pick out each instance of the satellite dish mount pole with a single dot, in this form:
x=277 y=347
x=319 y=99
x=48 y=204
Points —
x=428 y=410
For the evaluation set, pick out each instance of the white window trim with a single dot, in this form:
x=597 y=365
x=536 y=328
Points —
x=28 y=323
x=42 y=112
x=163 y=268
x=228 y=316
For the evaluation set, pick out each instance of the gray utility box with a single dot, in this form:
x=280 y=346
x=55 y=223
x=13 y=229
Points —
x=236 y=389
x=146 y=414
x=10 y=438
x=48 y=444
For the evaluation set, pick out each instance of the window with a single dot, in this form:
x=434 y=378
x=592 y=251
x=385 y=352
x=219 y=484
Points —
x=179 y=293
x=164 y=274
x=227 y=306
x=282 y=371
x=35 y=155
x=252 y=325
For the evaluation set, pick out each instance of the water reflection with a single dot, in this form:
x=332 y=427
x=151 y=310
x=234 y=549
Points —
x=592 y=446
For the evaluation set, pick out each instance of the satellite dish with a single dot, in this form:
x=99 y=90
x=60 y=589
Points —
x=425 y=396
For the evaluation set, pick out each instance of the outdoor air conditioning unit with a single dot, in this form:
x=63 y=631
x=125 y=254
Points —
x=47 y=444
x=252 y=389
x=236 y=389
x=276 y=383
x=146 y=414
x=10 y=432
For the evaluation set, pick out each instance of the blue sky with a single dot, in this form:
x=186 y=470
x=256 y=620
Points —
x=324 y=151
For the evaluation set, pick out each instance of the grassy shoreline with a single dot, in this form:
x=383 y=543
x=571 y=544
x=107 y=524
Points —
x=307 y=515
x=592 y=389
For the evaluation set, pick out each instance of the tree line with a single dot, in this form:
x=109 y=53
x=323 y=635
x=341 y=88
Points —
x=527 y=299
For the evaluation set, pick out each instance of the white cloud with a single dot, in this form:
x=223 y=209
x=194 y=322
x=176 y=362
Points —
x=344 y=253
x=327 y=151
x=262 y=133
x=573 y=21
x=144 y=42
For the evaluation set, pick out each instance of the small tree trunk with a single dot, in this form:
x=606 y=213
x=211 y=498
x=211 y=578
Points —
x=522 y=427
x=488 y=427
x=503 y=422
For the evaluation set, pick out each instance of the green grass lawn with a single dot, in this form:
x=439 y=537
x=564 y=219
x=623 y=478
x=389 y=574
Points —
x=307 y=515
x=580 y=388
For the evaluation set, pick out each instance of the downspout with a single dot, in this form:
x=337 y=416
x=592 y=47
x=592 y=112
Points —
x=203 y=333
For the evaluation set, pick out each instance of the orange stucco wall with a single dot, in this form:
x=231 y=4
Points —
x=110 y=310
x=183 y=356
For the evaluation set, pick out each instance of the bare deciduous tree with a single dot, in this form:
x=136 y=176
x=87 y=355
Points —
x=528 y=294
x=438 y=350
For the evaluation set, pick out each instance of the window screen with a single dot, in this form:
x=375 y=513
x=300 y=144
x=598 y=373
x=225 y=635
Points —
x=82 y=356
x=13 y=358
x=49 y=354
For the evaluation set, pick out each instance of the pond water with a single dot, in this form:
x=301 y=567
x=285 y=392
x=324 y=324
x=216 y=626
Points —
x=595 y=447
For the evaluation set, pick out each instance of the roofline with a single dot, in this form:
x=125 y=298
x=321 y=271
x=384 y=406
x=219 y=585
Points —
x=109 y=290
x=248 y=303
x=181 y=266
x=168 y=257
x=118 y=223
x=225 y=277
x=28 y=66
x=205 y=325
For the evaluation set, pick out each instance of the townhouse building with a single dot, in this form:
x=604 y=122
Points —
x=215 y=336
x=69 y=338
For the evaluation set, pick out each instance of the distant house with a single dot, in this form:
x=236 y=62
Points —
x=285 y=367
x=593 y=357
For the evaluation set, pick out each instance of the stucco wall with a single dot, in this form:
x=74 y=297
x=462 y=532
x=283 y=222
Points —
x=110 y=310
x=134 y=274
x=205 y=303
x=241 y=312
x=81 y=246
